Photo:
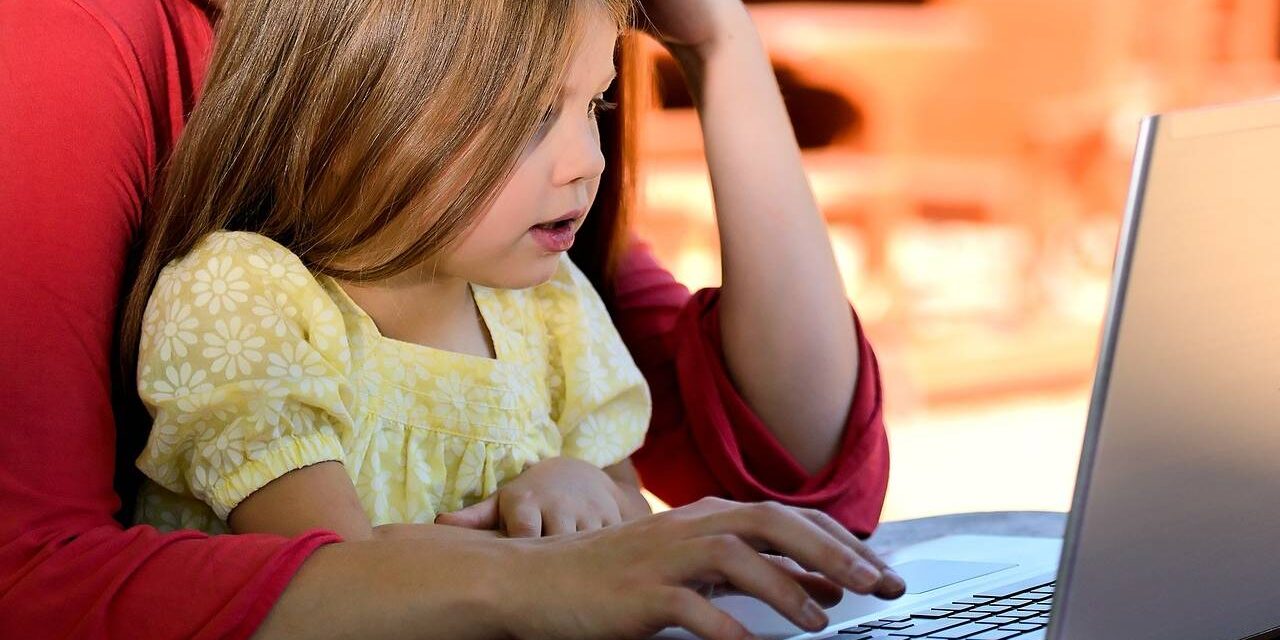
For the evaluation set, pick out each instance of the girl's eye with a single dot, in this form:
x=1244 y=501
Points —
x=598 y=105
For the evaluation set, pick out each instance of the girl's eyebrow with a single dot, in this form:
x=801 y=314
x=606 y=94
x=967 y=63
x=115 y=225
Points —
x=566 y=89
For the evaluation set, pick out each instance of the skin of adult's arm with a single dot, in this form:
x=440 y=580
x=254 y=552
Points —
x=788 y=340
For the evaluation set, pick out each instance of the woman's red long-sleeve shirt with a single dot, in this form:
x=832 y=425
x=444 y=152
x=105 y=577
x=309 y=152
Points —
x=93 y=94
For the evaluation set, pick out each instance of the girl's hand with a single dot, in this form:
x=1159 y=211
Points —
x=633 y=580
x=552 y=497
x=693 y=25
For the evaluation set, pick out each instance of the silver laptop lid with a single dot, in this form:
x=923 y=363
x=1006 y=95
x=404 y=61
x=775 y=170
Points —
x=1175 y=529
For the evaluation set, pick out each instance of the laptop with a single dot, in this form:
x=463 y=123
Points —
x=1174 y=530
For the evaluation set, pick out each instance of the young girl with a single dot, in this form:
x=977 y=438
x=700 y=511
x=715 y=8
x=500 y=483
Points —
x=353 y=302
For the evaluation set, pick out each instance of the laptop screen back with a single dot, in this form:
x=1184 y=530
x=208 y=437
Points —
x=1175 y=530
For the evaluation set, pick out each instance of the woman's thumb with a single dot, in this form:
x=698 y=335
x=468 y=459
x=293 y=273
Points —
x=481 y=515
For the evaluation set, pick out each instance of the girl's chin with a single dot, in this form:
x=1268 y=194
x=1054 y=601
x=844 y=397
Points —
x=525 y=273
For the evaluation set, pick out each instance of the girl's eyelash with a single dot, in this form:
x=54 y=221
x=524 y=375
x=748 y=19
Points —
x=598 y=105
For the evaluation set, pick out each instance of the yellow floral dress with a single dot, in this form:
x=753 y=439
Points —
x=252 y=367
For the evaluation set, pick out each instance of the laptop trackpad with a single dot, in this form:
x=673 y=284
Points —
x=926 y=575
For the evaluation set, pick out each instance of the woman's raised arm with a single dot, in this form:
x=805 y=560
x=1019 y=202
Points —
x=788 y=337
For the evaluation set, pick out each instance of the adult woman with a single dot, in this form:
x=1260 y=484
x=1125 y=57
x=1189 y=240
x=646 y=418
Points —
x=123 y=76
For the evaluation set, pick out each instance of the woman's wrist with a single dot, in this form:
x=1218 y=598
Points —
x=444 y=588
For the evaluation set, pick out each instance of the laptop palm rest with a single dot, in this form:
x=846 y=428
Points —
x=926 y=575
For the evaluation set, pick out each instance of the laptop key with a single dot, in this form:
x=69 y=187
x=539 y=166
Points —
x=1003 y=619
x=923 y=628
x=994 y=634
x=962 y=631
x=1023 y=626
x=1011 y=589
x=935 y=613
x=987 y=608
x=1038 y=634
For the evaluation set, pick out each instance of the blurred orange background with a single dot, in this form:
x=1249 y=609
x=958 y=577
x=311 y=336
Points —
x=971 y=158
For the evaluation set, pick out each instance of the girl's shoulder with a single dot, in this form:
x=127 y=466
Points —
x=240 y=246
x=225 y=268
x=242 y=261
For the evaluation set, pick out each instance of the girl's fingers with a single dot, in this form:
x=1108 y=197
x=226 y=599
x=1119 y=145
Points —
x=746 y=570
x=521 y=518
x=612 y=516
x=481 y=515
x=683 y=608
x=554 y=524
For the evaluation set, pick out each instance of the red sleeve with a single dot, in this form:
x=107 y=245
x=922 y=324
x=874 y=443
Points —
x=705 y=440
x=76 y=150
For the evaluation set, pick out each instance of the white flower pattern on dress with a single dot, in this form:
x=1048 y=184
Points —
x=232 y=347
x=176 y=331
x=180 y=381
x=220 y=285
x=276 y=312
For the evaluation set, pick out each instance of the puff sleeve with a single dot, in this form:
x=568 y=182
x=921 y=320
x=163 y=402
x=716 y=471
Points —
x=244 y=367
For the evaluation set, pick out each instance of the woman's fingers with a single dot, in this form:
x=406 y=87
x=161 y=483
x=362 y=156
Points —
x=682 y=607
x=823 y=591
x=733 y=560
x=771 y=526
x=892 y=585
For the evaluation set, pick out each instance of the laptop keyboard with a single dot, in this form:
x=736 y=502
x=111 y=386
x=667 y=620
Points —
x=1019 y=611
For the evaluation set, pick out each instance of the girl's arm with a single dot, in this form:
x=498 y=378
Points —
x=789 y=340
x=321 y=496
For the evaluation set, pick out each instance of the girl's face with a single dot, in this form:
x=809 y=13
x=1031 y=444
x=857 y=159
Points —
x=518 y=241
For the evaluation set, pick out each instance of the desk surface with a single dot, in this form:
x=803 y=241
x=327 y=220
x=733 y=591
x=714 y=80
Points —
x=890 y=536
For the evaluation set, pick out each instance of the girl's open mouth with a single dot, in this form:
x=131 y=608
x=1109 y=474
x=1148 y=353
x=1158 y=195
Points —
x=554 y=226
x=554 y=236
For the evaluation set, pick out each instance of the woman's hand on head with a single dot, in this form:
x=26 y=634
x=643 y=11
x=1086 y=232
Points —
x=553 y=497
x=634 y=579
x=692 y=25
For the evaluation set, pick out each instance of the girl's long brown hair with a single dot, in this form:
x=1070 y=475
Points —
x=324 y=124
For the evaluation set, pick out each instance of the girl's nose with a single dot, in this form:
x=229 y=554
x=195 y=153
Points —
x=581 y=157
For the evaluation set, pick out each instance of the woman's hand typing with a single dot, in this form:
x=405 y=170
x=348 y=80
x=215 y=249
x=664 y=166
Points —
x=632 y=580
x=553 y=497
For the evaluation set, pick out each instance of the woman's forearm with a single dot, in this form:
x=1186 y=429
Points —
x=418 y=531
x=397 y=589
x=788 y=336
